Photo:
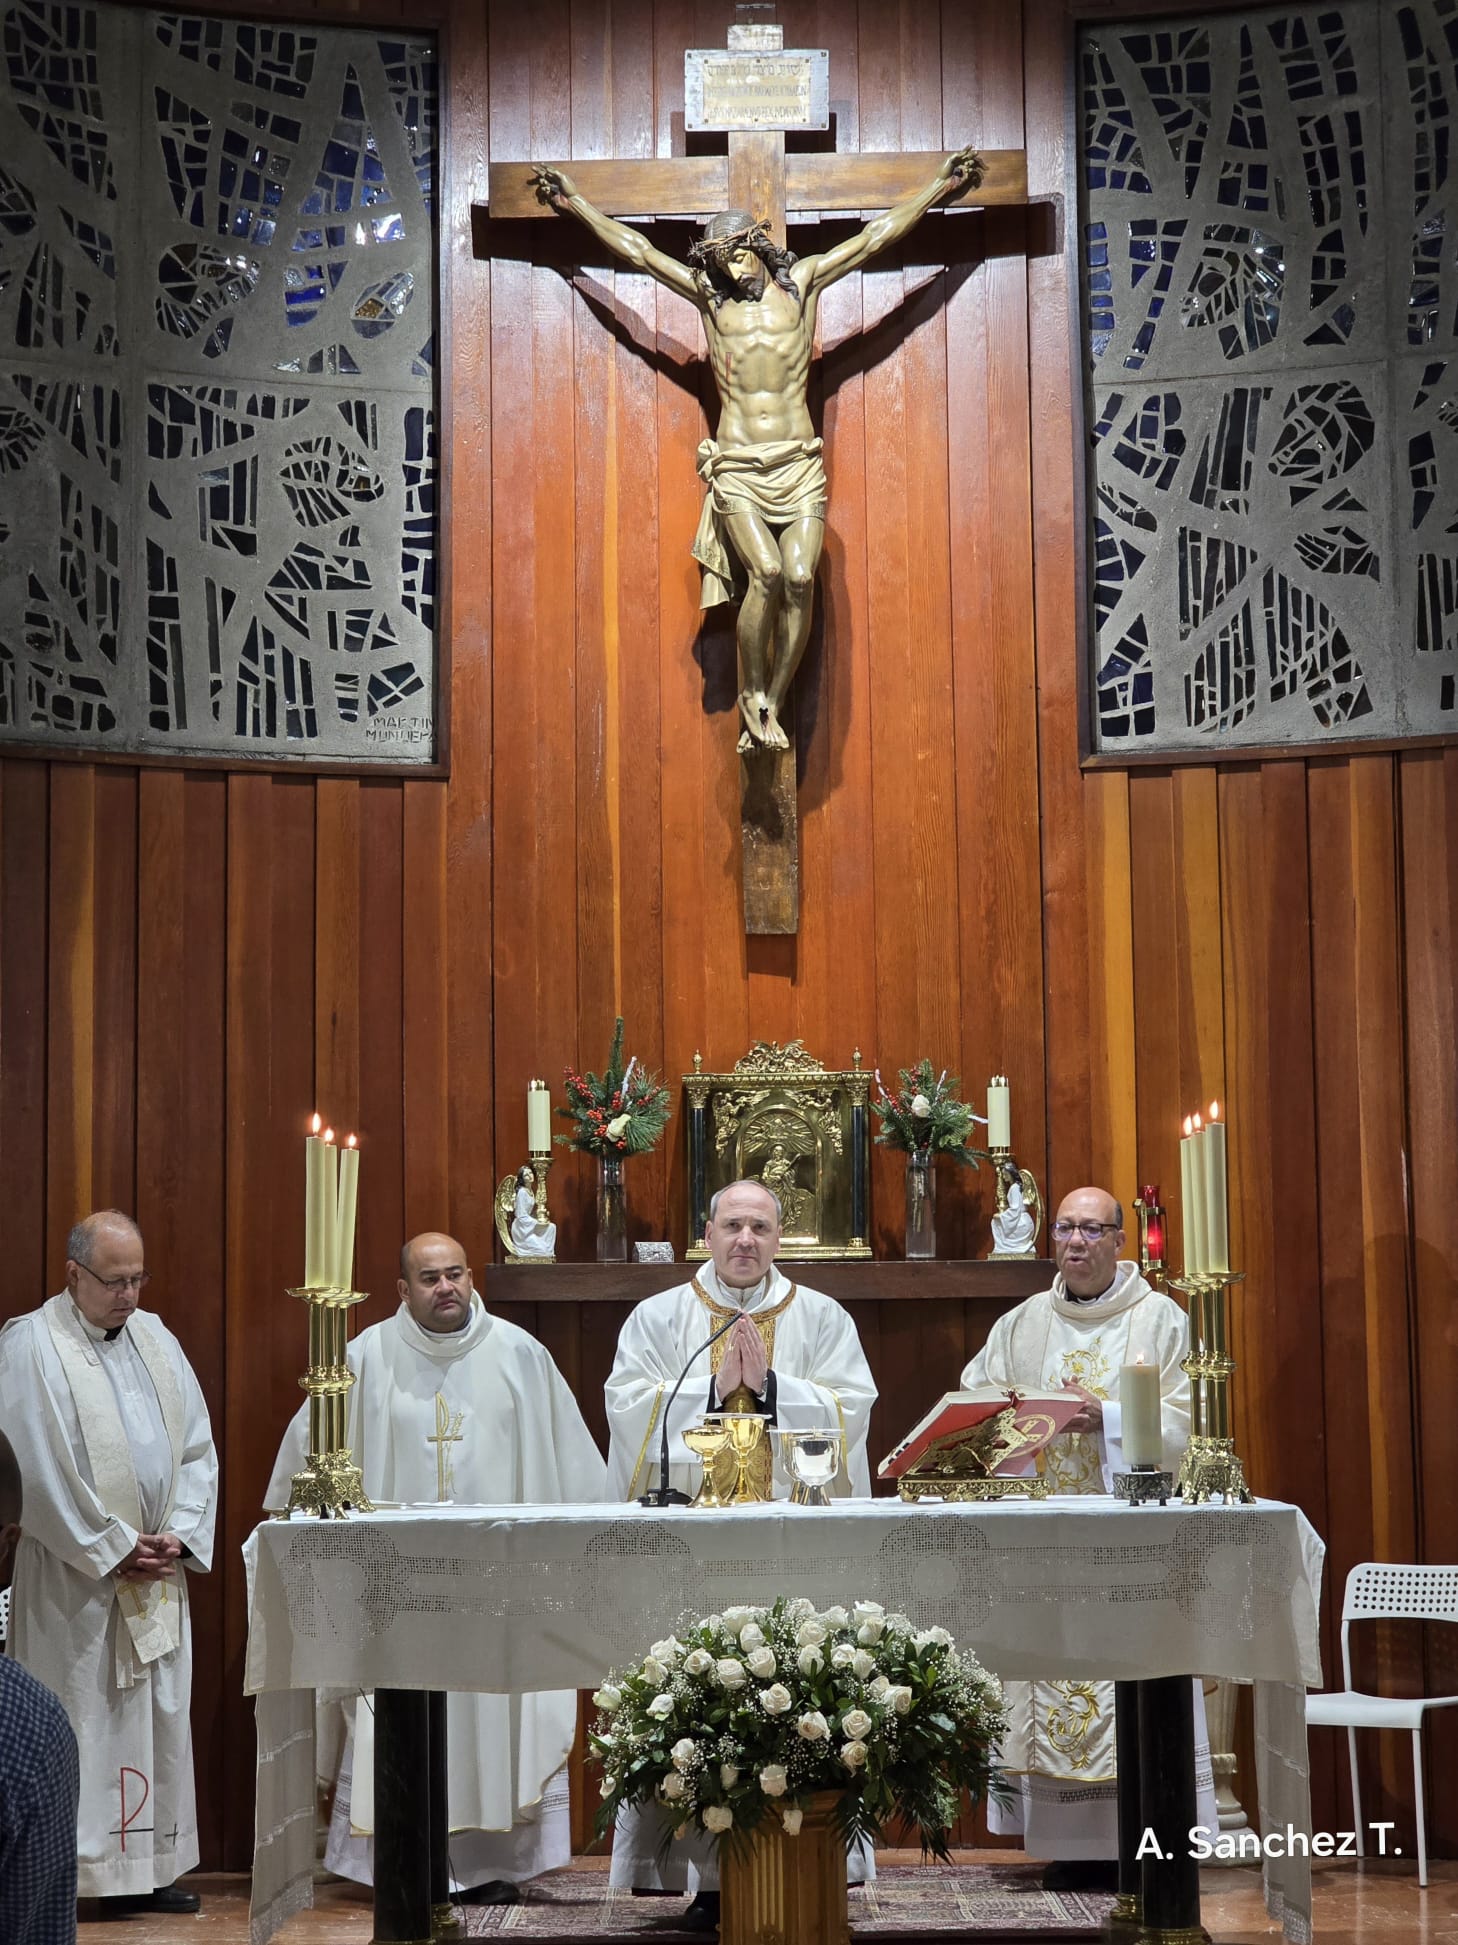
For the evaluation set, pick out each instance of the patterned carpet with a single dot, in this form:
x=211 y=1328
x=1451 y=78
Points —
x=904 y=1902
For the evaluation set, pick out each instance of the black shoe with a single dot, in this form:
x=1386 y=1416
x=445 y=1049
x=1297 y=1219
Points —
x=495 y=1890
x=1082 y=1874
x=702 y=1914
x=168 y=1900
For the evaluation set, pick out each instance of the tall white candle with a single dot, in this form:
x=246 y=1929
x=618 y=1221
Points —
x=316 y=1221
x=330 y=1245
x=999 y=1113
x=345 y=1221
x=1217 y=1210
x=1141 y=1421
x=539 y=1118
x=1192 y=1200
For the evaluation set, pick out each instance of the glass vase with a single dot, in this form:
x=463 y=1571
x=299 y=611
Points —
x=612 y=1211
x=921 y=1205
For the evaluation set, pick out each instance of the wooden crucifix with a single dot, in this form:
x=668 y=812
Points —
x=763 y=521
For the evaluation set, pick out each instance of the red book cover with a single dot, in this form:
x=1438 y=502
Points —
x=1039 y=1418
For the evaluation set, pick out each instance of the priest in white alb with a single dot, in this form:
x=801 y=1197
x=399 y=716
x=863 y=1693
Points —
x=788 y=1352
x=1099 y=1315
x=114 y=1446
x=451 y=1404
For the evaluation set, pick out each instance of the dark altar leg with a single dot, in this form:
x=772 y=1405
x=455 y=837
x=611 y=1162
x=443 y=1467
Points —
x=402 y=1818
x=1122 y=1925
x=1169 y=1886
x=443 y=1921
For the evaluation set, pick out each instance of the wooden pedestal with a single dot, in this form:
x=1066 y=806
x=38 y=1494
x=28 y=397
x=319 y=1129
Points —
x=781 y=1890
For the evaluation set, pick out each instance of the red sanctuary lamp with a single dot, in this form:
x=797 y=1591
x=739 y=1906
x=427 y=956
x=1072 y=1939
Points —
x=1151 y=1231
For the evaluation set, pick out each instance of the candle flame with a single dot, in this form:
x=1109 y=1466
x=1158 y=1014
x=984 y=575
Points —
x=1139 y=1357
x=351 y=1143
x=1189 y=1127
x=329 y=1134
x=1214 y=1110
x=315 y=1125
x=1199 y=1124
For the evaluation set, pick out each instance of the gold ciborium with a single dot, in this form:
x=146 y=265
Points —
x=812 y=1459
x=754 y=1482
x=709 y=1441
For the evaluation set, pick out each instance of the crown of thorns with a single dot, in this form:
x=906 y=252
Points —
x=709 y=247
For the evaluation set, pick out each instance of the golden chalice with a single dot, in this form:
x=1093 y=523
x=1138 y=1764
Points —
x=812 y=1459
x=708 y=1441
x=746 y=1438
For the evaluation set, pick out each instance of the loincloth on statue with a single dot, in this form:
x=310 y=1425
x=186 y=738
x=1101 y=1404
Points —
x=781 y=481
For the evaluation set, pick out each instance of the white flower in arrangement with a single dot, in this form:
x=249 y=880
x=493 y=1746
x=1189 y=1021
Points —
x=813 y=1726
x=608 y=1698
x=932 y=1637
x=810 y=1661
x=811 y=1633
x=661 y=1707
x=654 y=1672
x=920 y=1107
x=617 y=1127
x=792 y=1819
x=868 y=1611
x=730 y=1673
x=718 y=1817
x=728 y=1775
x=835 y=1617
x=762 y=1663
x=799 y=1609
x=900 y=1699
x=862 y=1662
x=751 y=1635
x=698 y=1661
x=855 y=1722
x=774 y=1779
x=842 y=1655
x=673 y=1787
x=606 y=1787
x=667 y=1651
x=870 y=1631
x=685 y=1749
x=777 y=1700
x=853 y=1755
x=897 y=1624
x=735 y=1618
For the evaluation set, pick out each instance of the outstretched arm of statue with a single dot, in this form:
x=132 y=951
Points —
x=814 y=273
x=556 y=188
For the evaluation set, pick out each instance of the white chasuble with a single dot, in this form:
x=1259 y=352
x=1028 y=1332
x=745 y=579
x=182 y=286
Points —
x=1060 y=1744
x=821 y=1378
x=113 y=1440
x=477 y=1416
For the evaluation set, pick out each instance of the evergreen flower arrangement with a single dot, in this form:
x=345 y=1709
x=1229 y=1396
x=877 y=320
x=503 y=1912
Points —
x=924 y=1116
x=622 y=1111
x=750 y=1713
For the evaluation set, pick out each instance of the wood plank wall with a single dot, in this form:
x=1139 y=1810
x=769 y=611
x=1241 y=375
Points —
x=191 y=960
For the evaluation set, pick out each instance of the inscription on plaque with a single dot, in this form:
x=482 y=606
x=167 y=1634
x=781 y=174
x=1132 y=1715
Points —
x=746 y=90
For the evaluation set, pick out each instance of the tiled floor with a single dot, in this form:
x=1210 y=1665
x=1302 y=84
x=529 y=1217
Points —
x=1354 y=1905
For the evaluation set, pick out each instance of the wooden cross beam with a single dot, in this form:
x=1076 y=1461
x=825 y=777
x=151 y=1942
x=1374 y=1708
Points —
x=756 y=174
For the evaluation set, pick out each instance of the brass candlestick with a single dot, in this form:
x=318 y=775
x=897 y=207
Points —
x=1210 y=1464
x=330 y=1483
x=539 y=1160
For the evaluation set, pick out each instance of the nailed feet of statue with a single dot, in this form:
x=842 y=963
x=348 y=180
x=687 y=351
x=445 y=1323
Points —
x=762 y=729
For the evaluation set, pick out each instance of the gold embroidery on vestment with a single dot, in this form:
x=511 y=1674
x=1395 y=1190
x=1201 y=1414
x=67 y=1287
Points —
x=1070 y=1719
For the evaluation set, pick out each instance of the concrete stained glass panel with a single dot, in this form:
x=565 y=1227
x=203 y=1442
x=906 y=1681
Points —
x=218 y=524
x=1269 y=266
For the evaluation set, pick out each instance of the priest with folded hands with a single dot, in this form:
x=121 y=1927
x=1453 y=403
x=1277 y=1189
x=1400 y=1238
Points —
x=452 y=1404
x=787 y=1352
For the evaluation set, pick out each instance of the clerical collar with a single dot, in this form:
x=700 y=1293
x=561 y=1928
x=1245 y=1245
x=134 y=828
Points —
x=732 y=1294
x=96 y=1332
x=445 y=1346
x=1127 y=1288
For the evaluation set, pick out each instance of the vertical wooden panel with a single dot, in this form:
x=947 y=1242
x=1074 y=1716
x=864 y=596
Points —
x=24 y=1010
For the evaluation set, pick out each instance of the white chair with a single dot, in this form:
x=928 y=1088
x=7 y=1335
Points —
x=1379 y=1591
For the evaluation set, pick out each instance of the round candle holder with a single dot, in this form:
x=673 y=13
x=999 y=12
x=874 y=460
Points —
x=1143 y=1483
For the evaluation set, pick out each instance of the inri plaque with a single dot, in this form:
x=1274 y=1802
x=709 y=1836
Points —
x=739 y=89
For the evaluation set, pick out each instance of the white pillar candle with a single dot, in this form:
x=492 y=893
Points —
x=1141 y=1422
x=539 y=1118
x=1217 y=1211
x=999 y=1113
x=345 y=1222
x=1192 y=1199
x=316 y=1217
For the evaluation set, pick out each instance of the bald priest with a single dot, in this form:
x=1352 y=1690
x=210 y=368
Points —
x=453 y=1404
x=788 y=1352
x=1099 y=1314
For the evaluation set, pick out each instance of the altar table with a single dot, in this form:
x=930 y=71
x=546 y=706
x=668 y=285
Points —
x=516 y=1598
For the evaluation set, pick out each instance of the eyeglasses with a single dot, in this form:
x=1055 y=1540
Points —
x=1090 y=1231
x=119 y=1285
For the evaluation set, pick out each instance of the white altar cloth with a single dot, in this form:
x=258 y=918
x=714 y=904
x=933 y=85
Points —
x=530 y=1597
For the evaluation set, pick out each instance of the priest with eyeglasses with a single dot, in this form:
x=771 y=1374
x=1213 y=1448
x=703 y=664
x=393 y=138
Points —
x=1099 y=1315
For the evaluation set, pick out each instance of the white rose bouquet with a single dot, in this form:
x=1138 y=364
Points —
x=750 y=1713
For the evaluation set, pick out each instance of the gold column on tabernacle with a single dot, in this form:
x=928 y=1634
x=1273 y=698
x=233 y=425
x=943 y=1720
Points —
x=330 y=1484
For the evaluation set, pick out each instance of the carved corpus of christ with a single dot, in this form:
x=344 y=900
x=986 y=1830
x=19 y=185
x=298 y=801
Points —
x=763 y=523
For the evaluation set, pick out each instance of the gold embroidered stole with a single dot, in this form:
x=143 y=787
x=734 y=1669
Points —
x=742 y=1399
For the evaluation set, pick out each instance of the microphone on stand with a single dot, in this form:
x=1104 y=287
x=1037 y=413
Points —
x=663 y=1494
